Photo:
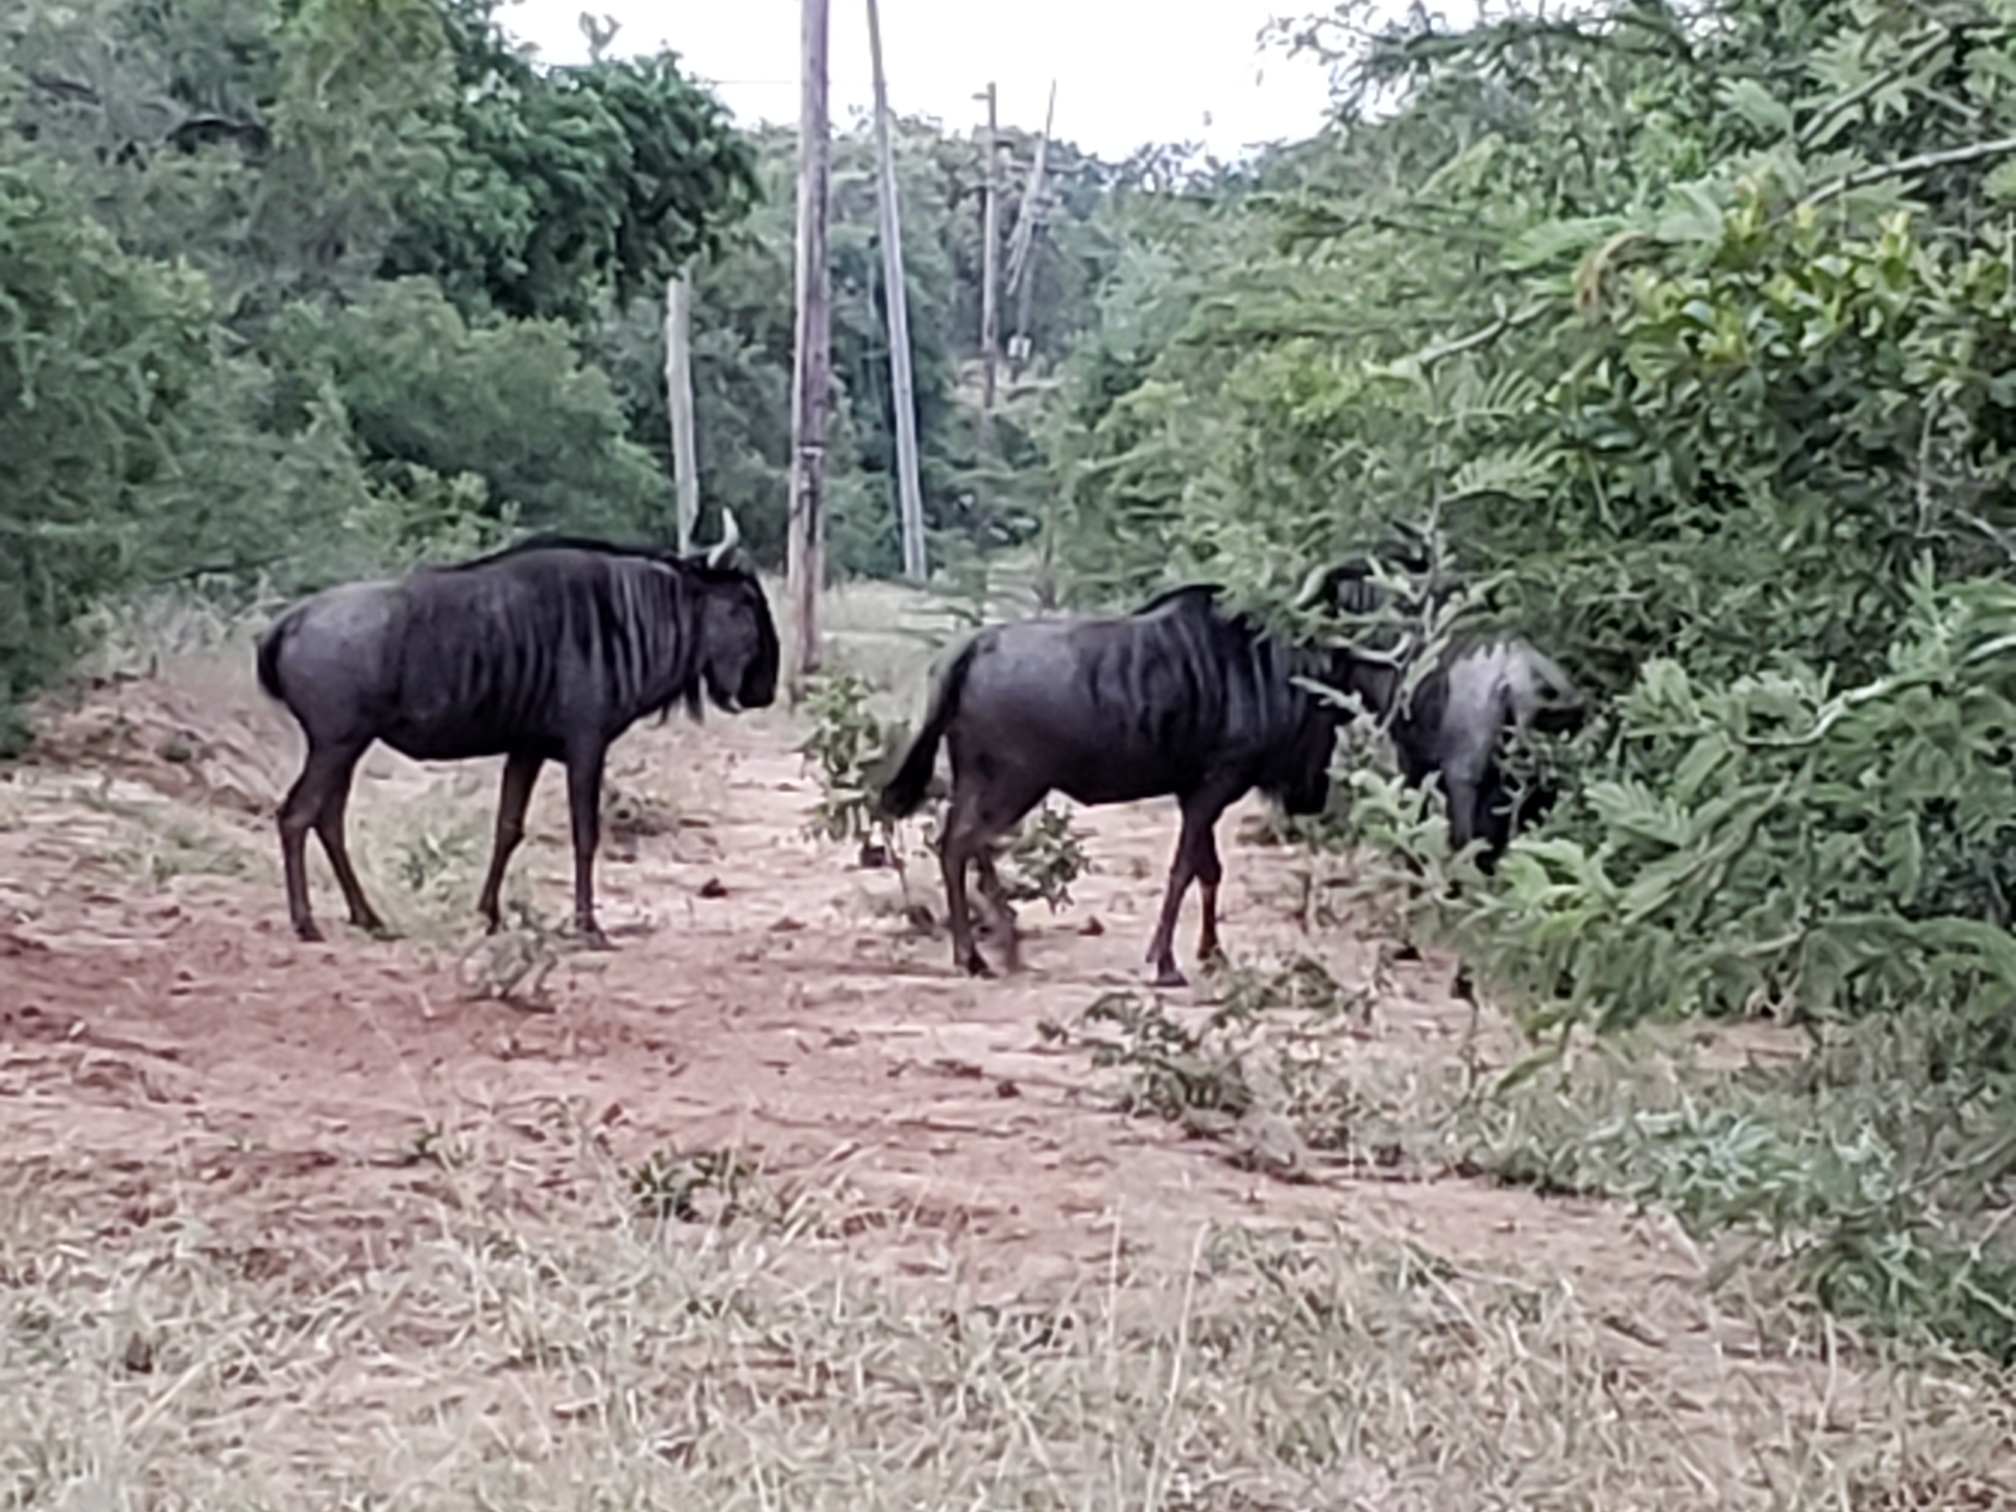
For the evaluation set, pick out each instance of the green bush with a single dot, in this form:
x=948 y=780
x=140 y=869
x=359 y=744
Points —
x=1771 y=844
x=130 y=453
x=509 y=403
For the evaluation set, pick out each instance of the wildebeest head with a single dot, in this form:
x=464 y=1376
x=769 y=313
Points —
x=1301 y=780
x=739 y=664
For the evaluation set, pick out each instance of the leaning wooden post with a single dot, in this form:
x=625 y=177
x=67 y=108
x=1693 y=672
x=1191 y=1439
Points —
x=1022 y=240
x=679 y=404
x=990 y=239
x=812 y=361
x=896 y=303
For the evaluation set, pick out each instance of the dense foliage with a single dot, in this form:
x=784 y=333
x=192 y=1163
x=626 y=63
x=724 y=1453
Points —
x=1692 y=331
x=1687 y=330
x=300 y=288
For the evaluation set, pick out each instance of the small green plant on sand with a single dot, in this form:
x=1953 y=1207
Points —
x=853 y=750
x=666 y=1184
x=1044 y=858
x=850 y=749
x=1175 y=1072
x=1269 y=1049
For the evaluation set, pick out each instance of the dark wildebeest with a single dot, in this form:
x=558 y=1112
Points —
x=545 y=651
x=1458 y=713
x=1177 y=698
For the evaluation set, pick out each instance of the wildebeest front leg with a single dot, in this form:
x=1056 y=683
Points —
x=584 y=802
x=1463 y=798
x=521 y=771
x=1200 y=814
x=1460 y=798
x=324 y=780
x=1209 y=873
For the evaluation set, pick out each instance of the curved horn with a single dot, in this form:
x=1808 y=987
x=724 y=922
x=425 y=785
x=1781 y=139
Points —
x=731 y=537
x=1313 y=588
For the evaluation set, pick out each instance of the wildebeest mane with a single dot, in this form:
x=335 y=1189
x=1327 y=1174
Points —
x=512 y=660
x=698 y=566
x=580 y=611
x=1192 y=593
x=561 y=541
x=1220 y=680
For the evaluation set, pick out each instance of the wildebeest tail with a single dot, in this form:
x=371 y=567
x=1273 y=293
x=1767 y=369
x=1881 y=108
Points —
x=905 y=791
x=269 y=656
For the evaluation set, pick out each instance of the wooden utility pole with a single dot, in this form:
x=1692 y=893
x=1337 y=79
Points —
x=1022 y=241
x=990 y=319
x=896 y=303
x=812 y=360
x=679 y=403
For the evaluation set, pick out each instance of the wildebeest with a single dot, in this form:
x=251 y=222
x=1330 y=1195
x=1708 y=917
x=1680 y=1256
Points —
x=547 y=650
x=1455 y=717
x=1177 y=698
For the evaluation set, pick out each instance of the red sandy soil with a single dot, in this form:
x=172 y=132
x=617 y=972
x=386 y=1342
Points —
x=168 y=1048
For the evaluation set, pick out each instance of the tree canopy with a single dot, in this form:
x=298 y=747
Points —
x=332 y=262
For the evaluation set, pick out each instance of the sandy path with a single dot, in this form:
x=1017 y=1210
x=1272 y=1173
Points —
x=172 y=1050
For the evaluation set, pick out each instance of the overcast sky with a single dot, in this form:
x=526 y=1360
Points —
x=1127 y=71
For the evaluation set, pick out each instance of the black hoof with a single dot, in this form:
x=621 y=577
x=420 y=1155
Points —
x=1169 y=976
x=975 y=966
x=308 y=930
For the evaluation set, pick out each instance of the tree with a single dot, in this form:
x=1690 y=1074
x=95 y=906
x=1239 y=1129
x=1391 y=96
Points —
x=129 y=450
x=571 y=183
x=511 y=404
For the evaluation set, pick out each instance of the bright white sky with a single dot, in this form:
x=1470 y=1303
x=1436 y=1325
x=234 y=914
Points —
x=1128 y=71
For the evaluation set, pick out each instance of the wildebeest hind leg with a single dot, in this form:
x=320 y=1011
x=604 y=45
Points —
x=326 y=769
x=997 y=897
x=1210 y=871
x=978 y=817
x=953 y=854
x=521 y=771
x=329 y=826
x=584 y=801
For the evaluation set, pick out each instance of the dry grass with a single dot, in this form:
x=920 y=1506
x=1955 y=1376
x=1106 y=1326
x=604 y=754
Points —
x=636 y=1364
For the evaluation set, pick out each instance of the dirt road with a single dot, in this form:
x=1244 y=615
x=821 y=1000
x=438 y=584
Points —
x=167 y=1046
